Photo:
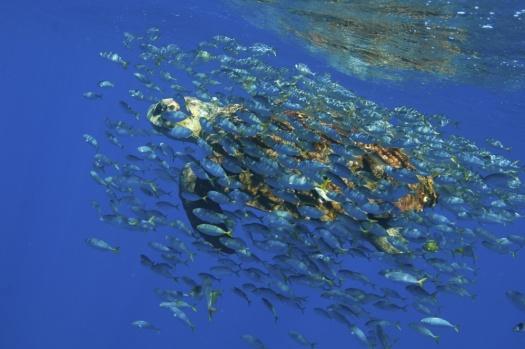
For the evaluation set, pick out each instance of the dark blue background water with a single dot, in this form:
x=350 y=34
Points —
x=57 y=293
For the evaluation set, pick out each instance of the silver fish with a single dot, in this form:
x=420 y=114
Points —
x=436 y=321
x=145 y=325
x=102 y=245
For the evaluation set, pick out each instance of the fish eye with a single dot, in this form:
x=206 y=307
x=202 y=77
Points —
x=425 y=199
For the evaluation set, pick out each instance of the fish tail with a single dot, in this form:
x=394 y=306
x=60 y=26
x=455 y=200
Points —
x=211 y=311
x=116 y=250
x=421 y=282
x=436 y=338
x=456 y=328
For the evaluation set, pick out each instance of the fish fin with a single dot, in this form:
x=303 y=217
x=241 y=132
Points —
x=421 y=282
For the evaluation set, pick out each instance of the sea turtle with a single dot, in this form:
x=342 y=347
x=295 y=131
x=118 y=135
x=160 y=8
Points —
x=276 y=134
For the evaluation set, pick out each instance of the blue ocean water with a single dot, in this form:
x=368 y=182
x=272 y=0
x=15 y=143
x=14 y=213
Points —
x=57 y=293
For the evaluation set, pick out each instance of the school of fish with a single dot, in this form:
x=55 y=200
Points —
x=279 y=179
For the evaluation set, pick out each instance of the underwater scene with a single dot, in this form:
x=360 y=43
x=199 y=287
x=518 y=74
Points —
x=263 y=174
